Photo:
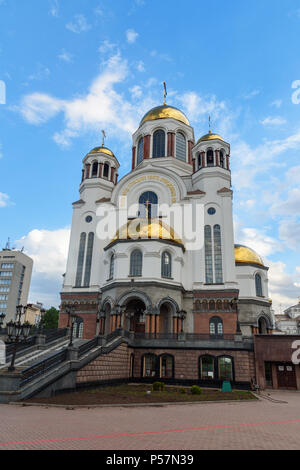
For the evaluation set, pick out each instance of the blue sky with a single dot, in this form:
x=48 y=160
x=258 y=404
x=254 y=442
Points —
x=73 y=67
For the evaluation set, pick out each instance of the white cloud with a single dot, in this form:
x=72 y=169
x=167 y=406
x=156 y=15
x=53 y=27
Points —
x=65 y=56
x=136 y=91
x=79 y=25
x=107 y=46
x=289 y=207
x=41 y=74
x=140 y=66
x=289 y=233
x=131 y=36
x=273 y=121
x=101 y=106
x=54 y=8
x=1 y=153
x=49 y=250
x=197 y=106
x=276 y=103
x=282 y=287
x=252 y=94
x=257 y=239
x=4 y=200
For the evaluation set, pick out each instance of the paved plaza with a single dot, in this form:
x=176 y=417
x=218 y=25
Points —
x=257 y=425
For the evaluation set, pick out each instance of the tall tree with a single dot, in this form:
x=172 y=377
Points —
x=50 y=318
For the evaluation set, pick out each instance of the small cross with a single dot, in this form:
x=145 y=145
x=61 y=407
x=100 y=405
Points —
x=147 y=204
x=165 y=94
x=209 y=125
x=103 y=138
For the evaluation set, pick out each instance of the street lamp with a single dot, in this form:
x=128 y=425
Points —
x=182 y=315
x=42 y=313
x=2 y=316
x=17 y=333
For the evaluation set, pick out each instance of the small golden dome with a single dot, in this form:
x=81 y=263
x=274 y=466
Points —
x=246 y=255
x=210 y=136
x=102 y=150
x=165 y=112
x=142 y=228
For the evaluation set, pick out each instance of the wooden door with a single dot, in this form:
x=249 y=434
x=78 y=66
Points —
x=286 y=376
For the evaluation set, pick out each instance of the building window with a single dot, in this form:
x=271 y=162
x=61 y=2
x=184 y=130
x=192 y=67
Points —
x=7 y=266
x=149 y=365
x=89 y=257
x=218 y=254
x=136 y=263
x=3 y=297
x=140 y=154
x=4 y=289
x=95 y=170
x=216 y=327
x=166 y=367
x=105 y=170
x=262 y=326
x=225 y=368
x=199 y=161
x=3 y=305
x=166 y=265
x=5 y=273
x=148 y=203
x=258 y=285
x=210 y=158
x=222 y=159
x=207 y=368
x=112 y=266
x=208 y=255
x=180 y=146
x=159 y=143
x=4 y=282
x=80 y=260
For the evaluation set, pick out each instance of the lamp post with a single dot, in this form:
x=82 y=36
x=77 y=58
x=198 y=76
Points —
x=182 y=315
x=17 y=333
x=73 y=319
x=42 y=313
x=234 y=305
x=2 y=316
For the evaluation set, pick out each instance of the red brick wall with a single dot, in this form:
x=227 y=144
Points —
x=201 y=322
x=187 y=362
x=115 y=365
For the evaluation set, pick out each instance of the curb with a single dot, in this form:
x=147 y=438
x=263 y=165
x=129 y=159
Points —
x=130 y=405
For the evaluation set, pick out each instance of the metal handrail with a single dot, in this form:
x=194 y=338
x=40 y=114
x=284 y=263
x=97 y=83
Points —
x=84 y=348
x=41 y=367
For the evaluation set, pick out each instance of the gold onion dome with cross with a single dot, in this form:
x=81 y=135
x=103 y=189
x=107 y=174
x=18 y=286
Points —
x=103 y=149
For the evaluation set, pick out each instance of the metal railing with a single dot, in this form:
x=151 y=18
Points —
x=52 y=335
x=28 y=375
x=84 y=348
x=21 y=346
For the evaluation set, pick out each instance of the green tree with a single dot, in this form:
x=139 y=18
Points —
x=50 y=318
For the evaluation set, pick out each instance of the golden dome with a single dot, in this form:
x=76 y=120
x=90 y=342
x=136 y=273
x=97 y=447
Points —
x=246 y=255
x=102 y=150
x=210 y=136
x=165 y=112
x=142 y=228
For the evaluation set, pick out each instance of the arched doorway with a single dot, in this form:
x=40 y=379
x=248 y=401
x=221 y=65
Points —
x=165 y=318
x=107 y=311
x=262 y=326
x=78 y=328
x=135 y=316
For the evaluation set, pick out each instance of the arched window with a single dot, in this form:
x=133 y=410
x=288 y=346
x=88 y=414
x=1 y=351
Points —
x=222 y=159
x=208 y=255
x=166 y=366
x=148 y=205
x=219 y=305
x=140 y=153
x=149 y=365
x=88 y=263
x=204 y=306
x=78 y=328
x=212 y=305
x=112 y=266
x=95 y=170
x=210 y=158
x=136 y=263
x=199 y=161
x=105 y=170
x=262 y=326
x=258 y=285
x=218 y=254
x=216 y=327
x=207 y=368
x=166 y=265
x=80 y=260
x=180 y=146
x=225 y=368
x=159 y=143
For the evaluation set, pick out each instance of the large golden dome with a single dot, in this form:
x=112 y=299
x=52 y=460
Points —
x=102 y=150
x=165 y=112
x=244 y=254
x=142 y=228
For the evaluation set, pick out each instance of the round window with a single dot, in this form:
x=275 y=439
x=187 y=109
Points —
x=89 y=219
x=211 y=211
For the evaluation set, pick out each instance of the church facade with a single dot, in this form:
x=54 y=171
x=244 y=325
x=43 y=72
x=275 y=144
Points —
x=153 y=256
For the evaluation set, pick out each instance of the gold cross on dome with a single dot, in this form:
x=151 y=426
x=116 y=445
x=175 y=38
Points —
x=103 y=138
x=209 y=125
x=165 y=94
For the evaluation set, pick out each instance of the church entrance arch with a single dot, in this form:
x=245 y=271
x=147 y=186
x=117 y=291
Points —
x=135 y=318
x=165 y=318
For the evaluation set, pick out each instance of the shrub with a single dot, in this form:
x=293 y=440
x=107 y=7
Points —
x=195 y=390
x=183 y=391
x=158 y=387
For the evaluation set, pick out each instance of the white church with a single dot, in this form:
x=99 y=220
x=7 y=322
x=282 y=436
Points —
x=146 y=278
